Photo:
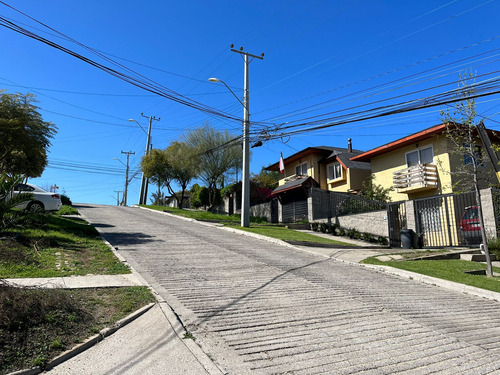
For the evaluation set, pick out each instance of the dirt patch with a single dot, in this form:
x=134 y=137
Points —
x=38 y=324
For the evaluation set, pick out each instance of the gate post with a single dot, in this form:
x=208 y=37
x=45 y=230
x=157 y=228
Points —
x=488 y=212
x=411 y=223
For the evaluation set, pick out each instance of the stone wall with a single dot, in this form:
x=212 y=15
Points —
x=261 y=210
x=374 y=222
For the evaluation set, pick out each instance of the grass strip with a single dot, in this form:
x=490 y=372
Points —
x=37 y=325
x=55 y=247
x=286 y=234
x=450 y=269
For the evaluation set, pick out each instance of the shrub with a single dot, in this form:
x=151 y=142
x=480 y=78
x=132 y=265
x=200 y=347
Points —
x=258 y=219
x=494 y=246
x=367 y=237
x=65 y=200
x=341 y=232
x=382 y=240
x=314 y=227
x=353 y=233
x=323 y=227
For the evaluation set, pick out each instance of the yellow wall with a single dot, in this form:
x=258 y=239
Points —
x=383 y=167
x=312 y=168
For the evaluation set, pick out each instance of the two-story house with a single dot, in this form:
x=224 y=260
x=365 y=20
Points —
x=421 y=164
x=329 y=168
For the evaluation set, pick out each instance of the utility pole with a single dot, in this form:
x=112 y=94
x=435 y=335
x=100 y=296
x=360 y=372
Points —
x=126 y=177
x=118 y=196
x=245 y=176
x=143 y=195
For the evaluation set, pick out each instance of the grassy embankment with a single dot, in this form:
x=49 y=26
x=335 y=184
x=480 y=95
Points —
x=38 y=324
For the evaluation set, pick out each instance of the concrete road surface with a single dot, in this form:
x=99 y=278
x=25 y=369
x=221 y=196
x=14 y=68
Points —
x=259 y=308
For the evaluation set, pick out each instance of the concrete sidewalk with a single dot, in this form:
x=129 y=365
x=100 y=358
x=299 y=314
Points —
x=153 y=343
x=79 y=282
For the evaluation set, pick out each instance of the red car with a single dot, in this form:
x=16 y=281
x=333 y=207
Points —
x=470 y=227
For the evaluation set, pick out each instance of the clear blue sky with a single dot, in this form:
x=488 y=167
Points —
x=320 y=57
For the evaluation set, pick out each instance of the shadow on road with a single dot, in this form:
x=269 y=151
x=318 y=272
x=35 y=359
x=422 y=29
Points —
x=256 y=290
x=97 y=225
x=129 y=238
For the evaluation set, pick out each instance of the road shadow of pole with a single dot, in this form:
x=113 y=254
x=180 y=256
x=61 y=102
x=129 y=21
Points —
x=256 y=290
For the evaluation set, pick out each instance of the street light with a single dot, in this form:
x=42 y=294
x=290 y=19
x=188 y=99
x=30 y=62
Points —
x=245 y=175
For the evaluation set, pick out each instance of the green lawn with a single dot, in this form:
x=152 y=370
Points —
x=57 y=246
x=197 y=215
x=285 y=234
x=451 y=269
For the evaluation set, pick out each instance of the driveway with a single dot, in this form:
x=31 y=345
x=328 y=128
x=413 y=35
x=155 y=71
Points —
x=259 y=308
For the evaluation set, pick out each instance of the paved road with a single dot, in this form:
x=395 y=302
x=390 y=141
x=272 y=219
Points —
x=260 y=308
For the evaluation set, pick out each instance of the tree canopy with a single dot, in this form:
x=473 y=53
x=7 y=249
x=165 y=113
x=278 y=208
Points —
x=216 y=155
x=24 y=136
x=177 y=163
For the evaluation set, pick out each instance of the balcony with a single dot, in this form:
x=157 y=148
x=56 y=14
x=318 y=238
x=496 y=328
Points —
x=416 y=178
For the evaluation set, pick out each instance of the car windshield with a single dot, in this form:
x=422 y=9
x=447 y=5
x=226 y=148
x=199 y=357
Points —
x=470 y=213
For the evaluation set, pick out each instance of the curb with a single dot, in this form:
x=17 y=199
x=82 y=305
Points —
x=451 y=285
x=105 y=332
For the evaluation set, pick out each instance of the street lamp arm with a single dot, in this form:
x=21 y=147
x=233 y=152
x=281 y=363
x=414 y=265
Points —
x=231 y=91
x=137 y=122
x=120 y=161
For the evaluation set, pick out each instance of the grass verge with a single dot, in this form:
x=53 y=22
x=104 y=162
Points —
x=270 y=230
x=56 y=246
x=36 y=325
x=285 y=234
x=450 y=269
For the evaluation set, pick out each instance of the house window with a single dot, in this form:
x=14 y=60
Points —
x=301 y=169
x=334 y=171
x=420 y=156
x=478 y=156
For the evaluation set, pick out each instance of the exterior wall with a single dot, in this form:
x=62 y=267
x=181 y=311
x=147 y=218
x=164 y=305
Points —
x=357 y=177
x=312 y=168
x=383 y=167
x=369 y=222
x=261 y=210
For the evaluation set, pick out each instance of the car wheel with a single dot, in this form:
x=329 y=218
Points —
x=36 y=207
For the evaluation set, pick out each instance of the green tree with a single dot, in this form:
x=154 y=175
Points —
x=266 y=179
x=199 y=196
x=183 y=163
x=370 y=190
x=217 y=155
x=464 y=140
x=154 y=167
x=175 y=164
x=24 y=136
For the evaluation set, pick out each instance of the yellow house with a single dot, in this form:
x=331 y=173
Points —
x=420 y=165
x=425 y=165
x=330 y=168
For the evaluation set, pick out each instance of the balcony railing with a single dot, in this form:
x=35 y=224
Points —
x=417 y=177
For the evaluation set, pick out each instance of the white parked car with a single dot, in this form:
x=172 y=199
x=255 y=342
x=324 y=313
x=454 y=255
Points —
x=41 y=200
